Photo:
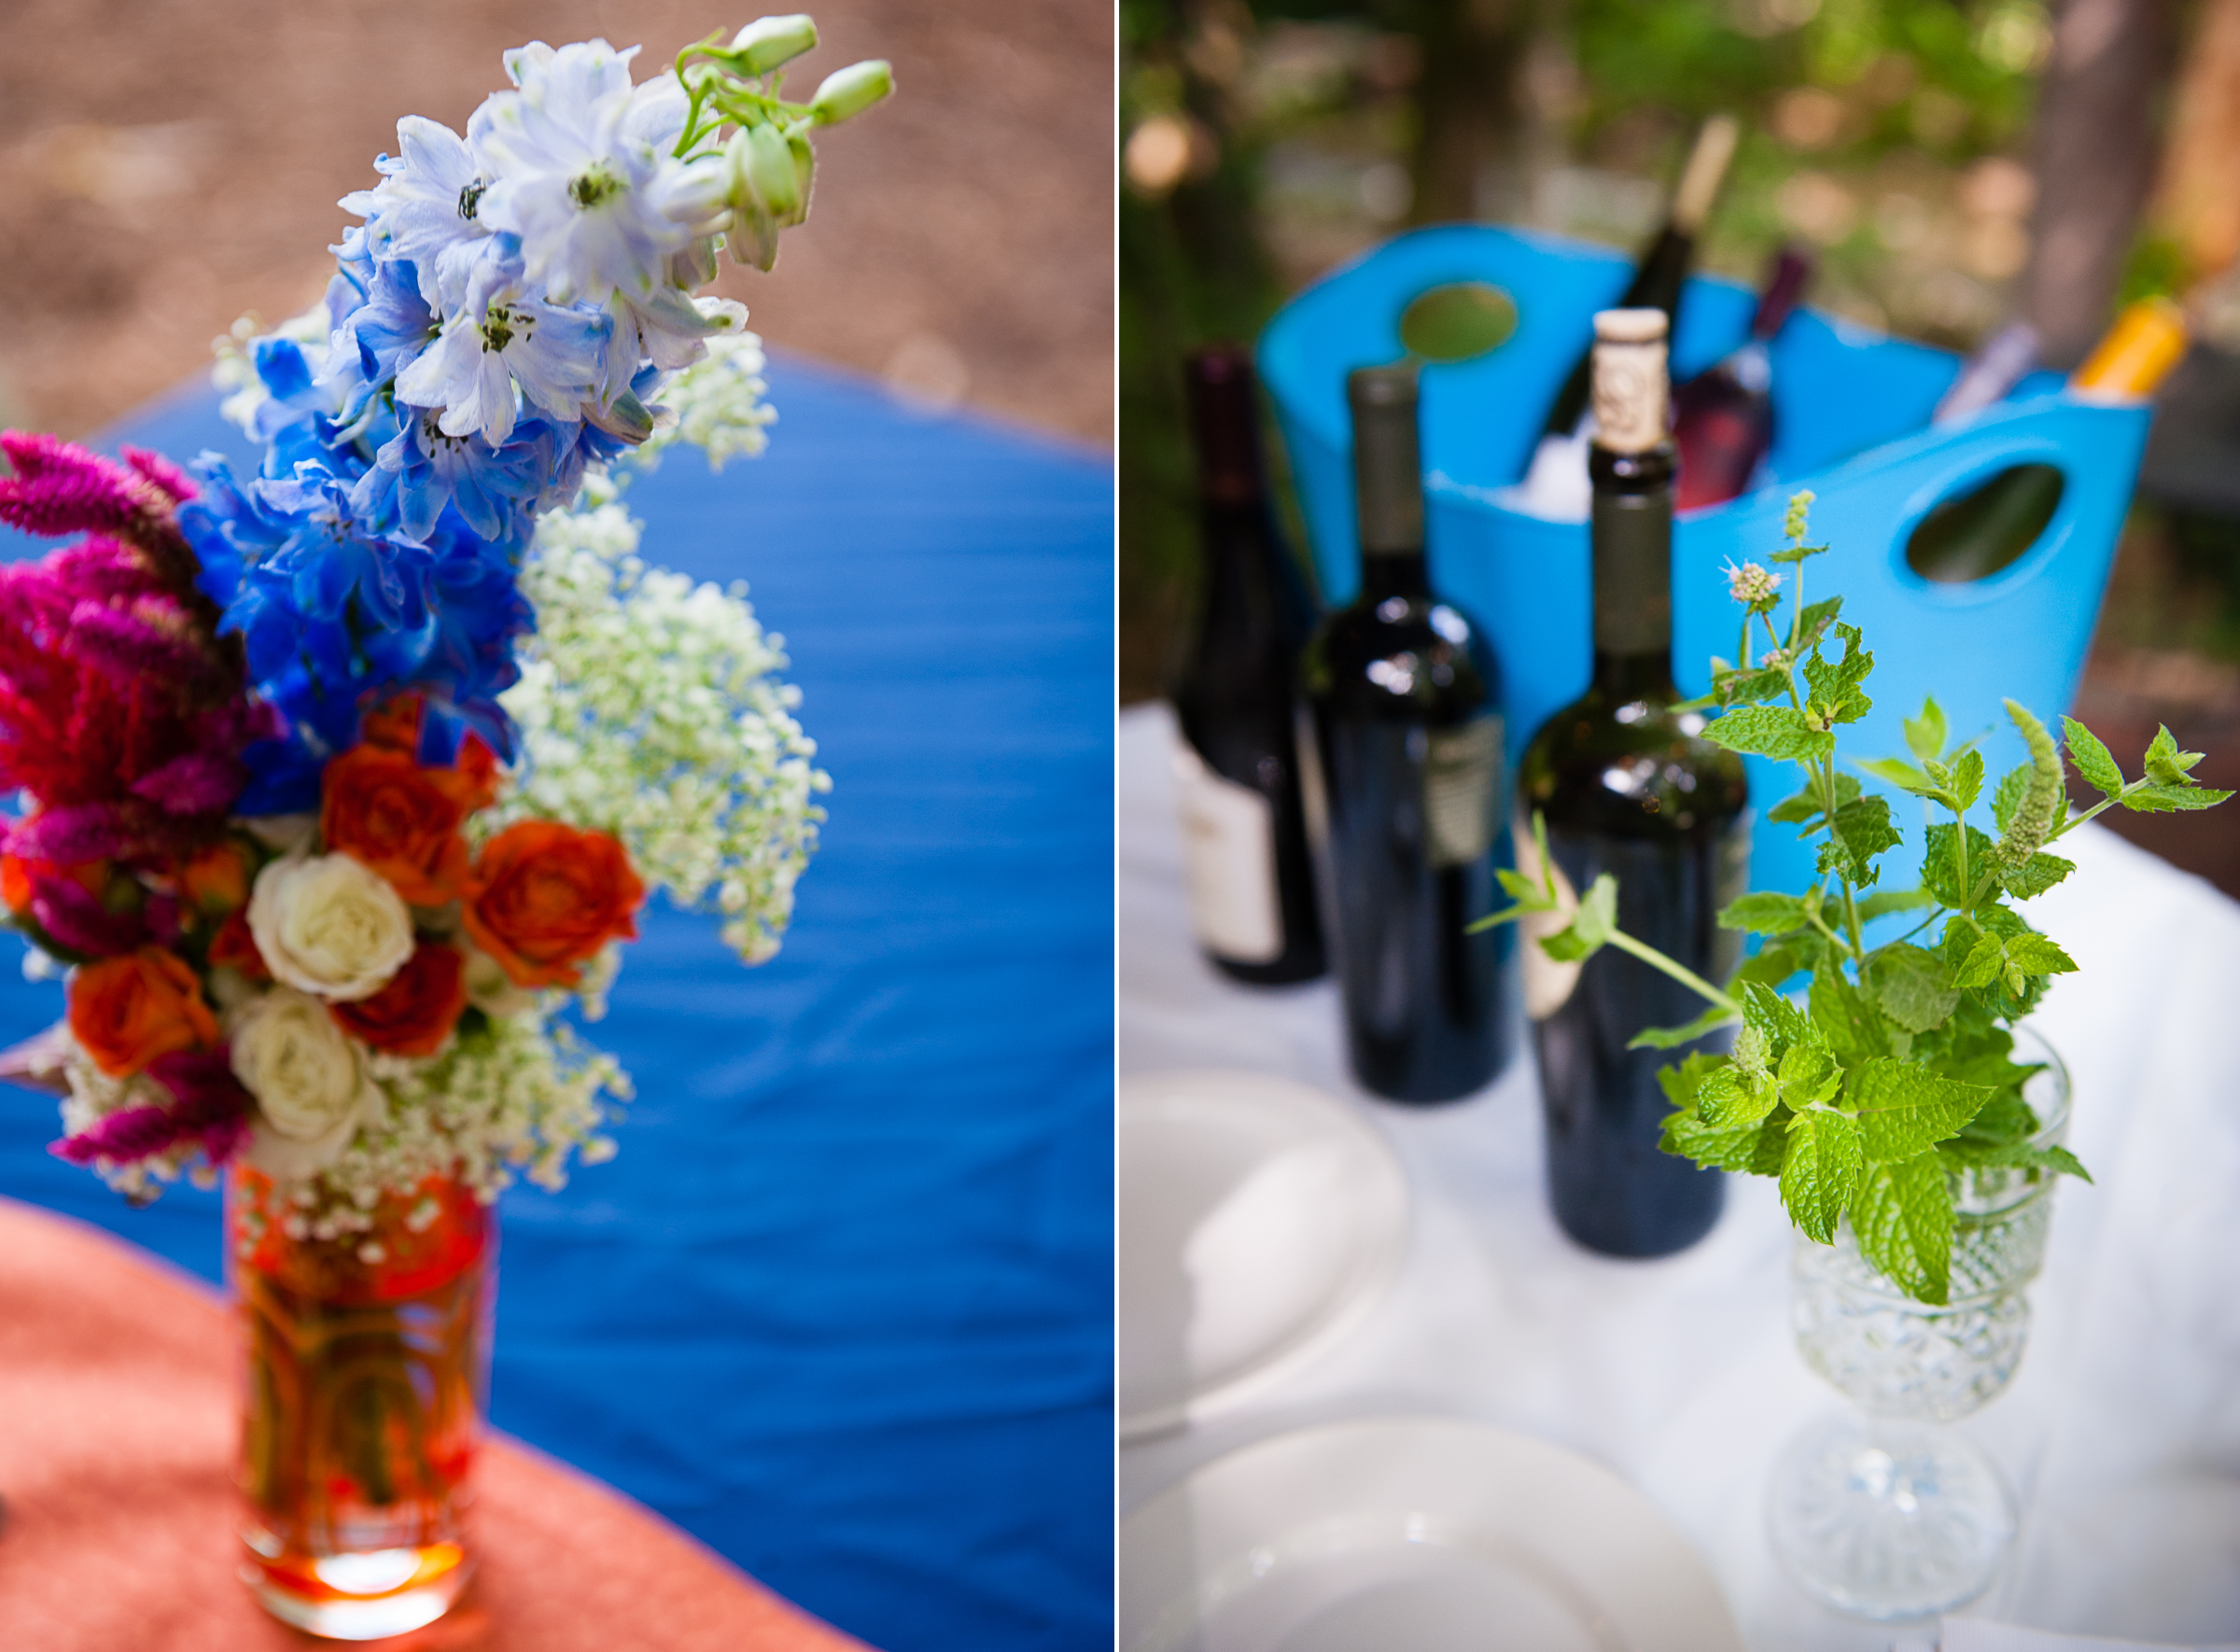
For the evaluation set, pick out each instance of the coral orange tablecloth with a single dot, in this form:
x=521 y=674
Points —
x=118 y=1427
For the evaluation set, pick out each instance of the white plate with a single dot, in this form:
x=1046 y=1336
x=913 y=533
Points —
x=1411 y=1534
x=1258 y=1219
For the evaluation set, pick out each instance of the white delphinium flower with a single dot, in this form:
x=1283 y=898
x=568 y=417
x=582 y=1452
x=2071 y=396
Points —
x=649 y=709
x=716 y=405
x=505 y=335
x=235 y=373
x=427 y=208
x=584 y=176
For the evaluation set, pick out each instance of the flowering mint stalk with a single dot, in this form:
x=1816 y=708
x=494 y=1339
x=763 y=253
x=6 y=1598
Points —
x=1893 y=1075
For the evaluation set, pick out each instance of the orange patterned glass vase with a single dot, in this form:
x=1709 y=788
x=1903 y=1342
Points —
x=365 y=1369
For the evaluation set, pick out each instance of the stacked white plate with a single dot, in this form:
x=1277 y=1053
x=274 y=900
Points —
x=1258 y=1222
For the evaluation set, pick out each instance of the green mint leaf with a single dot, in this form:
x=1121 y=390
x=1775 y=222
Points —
x=1809 y=1075
x=1967 y=779
x=1671 y=1038
x=1818 y=617
x=2012 y=784
x=2036 y=810
x=2034 y=955
x=2165 y=763
x=1766 y=913
x=1902 y=775
x=1862 y=832
x=1749 y=685
x=1983 y=964
x=1903 y=1218
x=1779 y=732
x=1926 y=734
x=1905 y=1108
x=1820 y=1175
x=1849 y=1026
x=2091 y=760
x=1520 y=887
x=1940 y=872
x=1836 y=694
x=2017 y=1155
x=1684 y=1078
x=1753 y=1150
x=1732 y=1097
x=1773 y=1018
x=1591 y=926
x=1804 y=808
x=1883 y=902
x=2035 y=876
x=1912 y=987
x=2170 y=800
x=1774 y=965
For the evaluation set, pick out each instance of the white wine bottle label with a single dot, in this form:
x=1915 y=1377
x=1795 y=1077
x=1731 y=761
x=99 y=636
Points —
x=1462 y=784
x=1548 y=983
x=1228 y=861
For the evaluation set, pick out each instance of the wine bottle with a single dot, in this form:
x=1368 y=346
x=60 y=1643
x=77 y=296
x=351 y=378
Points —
x=1996 y=367
x=1237 y=778
x=1402 y=705
x=1723 y=417
x=1555 y=483
x=1628 y=785
x=1975 y=535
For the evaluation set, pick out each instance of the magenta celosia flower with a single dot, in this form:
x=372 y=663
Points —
x=209 y=1106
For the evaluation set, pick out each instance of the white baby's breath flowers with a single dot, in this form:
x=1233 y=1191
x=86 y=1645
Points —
x=715 y=404
x=328 y=925
x=649 y=709
x=309 y=1078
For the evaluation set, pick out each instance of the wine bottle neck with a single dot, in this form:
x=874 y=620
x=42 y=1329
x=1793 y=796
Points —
x=1395 y=573
x=1631 y=528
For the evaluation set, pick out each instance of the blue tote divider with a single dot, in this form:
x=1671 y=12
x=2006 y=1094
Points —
x=1852 y=415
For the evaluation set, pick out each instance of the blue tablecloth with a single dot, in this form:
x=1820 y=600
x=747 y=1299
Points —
x=842 y=1307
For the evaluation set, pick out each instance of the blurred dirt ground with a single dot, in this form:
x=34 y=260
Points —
x=167 y=165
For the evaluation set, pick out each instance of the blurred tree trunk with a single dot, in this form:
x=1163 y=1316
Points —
x=1466 y=100
x=2094 y=151
x=2197 y=202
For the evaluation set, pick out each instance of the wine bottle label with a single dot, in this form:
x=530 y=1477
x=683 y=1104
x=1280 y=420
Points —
x=1548 y=983
x=1228 y=861
x=1461 y=782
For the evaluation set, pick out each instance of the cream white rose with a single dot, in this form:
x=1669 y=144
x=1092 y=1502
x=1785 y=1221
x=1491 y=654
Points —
x=330 y=926
x=489 y=988
x=310 y=1085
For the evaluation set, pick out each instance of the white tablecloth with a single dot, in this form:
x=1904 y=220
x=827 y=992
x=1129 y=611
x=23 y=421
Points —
x=2120 y=1431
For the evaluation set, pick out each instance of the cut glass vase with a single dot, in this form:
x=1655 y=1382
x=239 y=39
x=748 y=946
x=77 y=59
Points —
x=1886 y=1511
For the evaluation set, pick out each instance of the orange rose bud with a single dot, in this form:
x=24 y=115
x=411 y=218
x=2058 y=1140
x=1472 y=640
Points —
x=235 y=946
x=216 y=881
x=415 y=1012
x=127 y=1011
x=393 y=725
x=386 y=811
x=547 y=897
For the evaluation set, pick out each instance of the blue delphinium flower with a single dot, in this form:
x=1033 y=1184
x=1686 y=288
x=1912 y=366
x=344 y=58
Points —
x=427 y=210
x=422 y=469
x=506 y=335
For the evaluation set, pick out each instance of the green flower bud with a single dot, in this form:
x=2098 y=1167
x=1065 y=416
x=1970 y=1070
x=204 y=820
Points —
x=769 y=41
x=851 y=90
x=760 y=168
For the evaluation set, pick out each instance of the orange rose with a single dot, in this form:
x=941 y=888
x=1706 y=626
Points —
x=216 y=881
x=547 y=897
x=387 y=812
x=415 y=1013
x=19 y=878
x=394 y=725
x=127 y=1011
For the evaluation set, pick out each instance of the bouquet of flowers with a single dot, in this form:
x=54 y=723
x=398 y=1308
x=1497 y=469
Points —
x=340 y=783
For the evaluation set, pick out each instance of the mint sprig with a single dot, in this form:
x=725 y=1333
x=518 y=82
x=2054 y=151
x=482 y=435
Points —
x=1871 y=1094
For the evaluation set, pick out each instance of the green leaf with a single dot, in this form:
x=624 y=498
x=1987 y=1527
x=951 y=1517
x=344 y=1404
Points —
x=1773 y=965
x=2018 y=1155
x=1820 y=1175
x=1902 y=775
x=1906 y=1108
x=1808 y=1075
x=1926 y=734
x=1682 y=1079
x=1903 y=1218
x=1883 y=902
x=1940 y=868
x=1842 y=1017
x=2009 y=792
x=2169 y=800
x=2034 y=813
x=1766 y=913
x=1520 y=887
x=1804 y=808
x=1732 y=1097
x=1773 y=1018
x=2165 y=763
x=2034 y=955
x=1778 y=731
x=1671 y=1038
x=1591 y=926
x=1754 y=1150
x=1967 y=779
x=1912 y=988
x=2090 y=759
x=1835 y=693
x=1749 y=685
x=1862 y=832
x=2035 y=876
x=1983 y=965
